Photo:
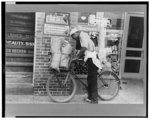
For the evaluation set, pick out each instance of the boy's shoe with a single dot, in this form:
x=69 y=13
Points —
x=94 y=102
x=87 y=100
x=90 y=101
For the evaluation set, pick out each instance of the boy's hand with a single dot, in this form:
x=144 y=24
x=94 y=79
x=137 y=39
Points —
x=74 y=59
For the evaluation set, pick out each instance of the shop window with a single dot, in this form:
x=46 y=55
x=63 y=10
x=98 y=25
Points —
x=113 y=38
x=19 y=42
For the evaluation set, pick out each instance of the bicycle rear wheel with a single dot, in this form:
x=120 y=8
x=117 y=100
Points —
x=58 y=91
x=108 y=85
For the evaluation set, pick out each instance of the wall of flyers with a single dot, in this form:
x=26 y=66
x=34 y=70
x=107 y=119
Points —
x=57 y=24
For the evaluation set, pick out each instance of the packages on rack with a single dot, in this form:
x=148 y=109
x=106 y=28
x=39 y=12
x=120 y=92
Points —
x=60 y=49
x=55 y=61
x=56 y=43
x=64 y=62
x=56 y=52
x=65 y=50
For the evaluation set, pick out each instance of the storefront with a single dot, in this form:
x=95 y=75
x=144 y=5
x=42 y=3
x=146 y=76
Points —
x=29 y=35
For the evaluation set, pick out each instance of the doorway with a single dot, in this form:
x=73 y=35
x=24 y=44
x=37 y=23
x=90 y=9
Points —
x=132 y=56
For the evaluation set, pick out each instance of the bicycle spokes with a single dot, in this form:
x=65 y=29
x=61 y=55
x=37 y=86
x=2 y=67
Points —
x=107 y=85
x=60 y=88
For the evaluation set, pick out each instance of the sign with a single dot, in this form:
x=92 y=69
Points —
x=83 y=18
x=14 y=59
x=88 y=28
x=73 y=17
x=58 y=18
x=19 y=36
x=15 y=29
x=21 y=16
x=56 y=29
x=19 y=43
x=19 y=23
x=92 y=19
x=19 y=51
x=99 y=15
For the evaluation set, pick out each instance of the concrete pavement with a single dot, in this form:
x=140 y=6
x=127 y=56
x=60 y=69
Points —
x=132 y=92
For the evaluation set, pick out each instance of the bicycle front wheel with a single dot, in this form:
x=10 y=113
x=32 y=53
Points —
x=59 y=89
x=108 y=85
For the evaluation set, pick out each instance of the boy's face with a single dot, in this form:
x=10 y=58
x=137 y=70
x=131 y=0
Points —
x=75 y=35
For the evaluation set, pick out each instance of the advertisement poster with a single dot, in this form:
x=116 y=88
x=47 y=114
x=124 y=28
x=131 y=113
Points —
x=56 y=29
x=57 y=18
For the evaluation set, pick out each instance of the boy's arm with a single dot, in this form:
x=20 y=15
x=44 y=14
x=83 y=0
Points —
x=81 y=53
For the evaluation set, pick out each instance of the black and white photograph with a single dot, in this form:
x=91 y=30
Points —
x=75 y=59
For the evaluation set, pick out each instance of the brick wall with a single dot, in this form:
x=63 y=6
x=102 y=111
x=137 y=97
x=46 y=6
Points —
x=41 y=58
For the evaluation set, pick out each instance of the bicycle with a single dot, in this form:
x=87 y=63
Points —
x=61 y=86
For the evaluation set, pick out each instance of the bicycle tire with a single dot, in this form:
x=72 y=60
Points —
x=60 y=98
x=106 y=91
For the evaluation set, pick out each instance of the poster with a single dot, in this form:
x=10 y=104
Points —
x=57 y=18
x=56 y=29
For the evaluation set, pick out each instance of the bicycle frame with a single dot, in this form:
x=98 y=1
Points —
x=98 y=74
x=79 y=79
x=71 y=71
x=68 y=72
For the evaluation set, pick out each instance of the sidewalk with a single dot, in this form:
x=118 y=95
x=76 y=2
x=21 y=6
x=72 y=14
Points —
x=132 y=92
